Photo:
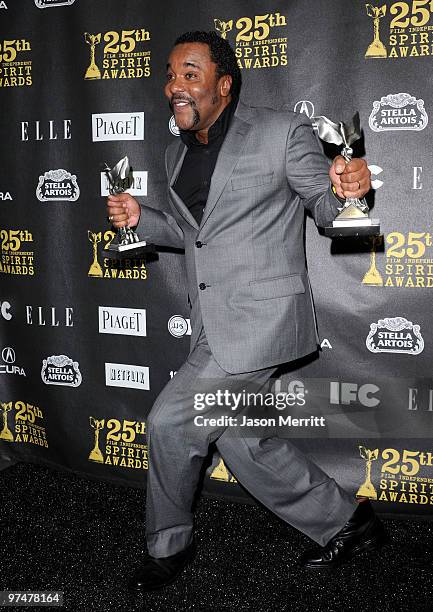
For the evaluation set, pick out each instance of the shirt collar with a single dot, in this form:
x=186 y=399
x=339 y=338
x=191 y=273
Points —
x=216 y=130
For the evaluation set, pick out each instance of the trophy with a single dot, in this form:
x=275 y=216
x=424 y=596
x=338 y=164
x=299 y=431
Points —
x=376 y=47
x=92 y=71
x=367 y=488
x=6 y=433
x=352 y=219
x=95 y=268
x=223 y=27
x=126 y=238
x=95 y=453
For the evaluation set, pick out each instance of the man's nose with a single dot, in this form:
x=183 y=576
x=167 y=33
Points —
x=176 y=86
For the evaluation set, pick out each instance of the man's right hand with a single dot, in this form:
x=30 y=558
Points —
x=123 y=210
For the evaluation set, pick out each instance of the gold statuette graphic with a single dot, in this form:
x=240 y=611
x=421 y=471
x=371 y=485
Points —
x=95 y=453
x=6 y=433
x=367 y=489
x=373 y=276
x=95 y=269
x=92 y=71
x=376 y=48
x=220 y=472
x=352 y=219
x=223 y=27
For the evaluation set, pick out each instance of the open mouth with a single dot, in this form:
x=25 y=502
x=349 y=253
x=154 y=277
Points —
x=179 y=105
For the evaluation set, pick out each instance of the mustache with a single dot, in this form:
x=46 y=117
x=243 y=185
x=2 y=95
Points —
x=178 y=98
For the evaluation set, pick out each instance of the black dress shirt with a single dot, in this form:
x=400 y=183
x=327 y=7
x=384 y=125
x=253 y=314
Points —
x=193 y=181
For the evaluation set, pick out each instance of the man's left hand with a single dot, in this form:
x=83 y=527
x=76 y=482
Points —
x=352 y=179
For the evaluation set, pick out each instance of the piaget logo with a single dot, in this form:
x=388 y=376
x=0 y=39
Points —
x=123 y=443
x=395 y=335
x=124 y=321
x=398 y=112
x=13 y=259
x=117 y=126
x=15 y=65
x=260 y=41
x=122 y=56
x=408 y=261
x=405 y=30
x=122 y=269
x=22 y=423
x=396 y=476
x=57 y=185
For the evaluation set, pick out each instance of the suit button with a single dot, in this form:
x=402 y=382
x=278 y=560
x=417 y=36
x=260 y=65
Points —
x=202 y=286
x=198 y=244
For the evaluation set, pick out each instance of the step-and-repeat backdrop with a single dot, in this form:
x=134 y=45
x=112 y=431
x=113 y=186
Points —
x=87 y=342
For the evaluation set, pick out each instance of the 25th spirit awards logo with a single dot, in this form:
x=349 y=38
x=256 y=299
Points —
x=123 y=443
x=400 y=30
x=398 y=476
x=14 y=259
x=408 y=262
x=123 y=269
x=22 y=423
x=15 y=65
x=123 y=55
x=395 y=335
x=57 y=185
x=259 y=41
x=398 y=112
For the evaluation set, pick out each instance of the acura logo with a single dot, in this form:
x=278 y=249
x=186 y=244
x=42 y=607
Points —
x=8 y=355
x=306 y=107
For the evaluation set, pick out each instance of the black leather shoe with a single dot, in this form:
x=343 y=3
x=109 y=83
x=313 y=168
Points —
x=158 y=573
x=363 y=532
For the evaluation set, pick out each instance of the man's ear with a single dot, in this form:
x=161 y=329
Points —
x=226 y=85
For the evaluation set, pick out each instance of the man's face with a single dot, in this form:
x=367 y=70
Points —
x=195 y=94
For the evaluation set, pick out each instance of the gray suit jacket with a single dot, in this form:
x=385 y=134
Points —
x=248 y=281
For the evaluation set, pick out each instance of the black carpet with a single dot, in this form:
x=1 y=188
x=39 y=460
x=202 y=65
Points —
x=83 y=537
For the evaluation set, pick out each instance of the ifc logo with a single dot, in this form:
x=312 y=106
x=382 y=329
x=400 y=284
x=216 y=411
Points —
x=173 y=127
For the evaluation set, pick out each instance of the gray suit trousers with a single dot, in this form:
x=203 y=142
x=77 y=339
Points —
x=272 y=469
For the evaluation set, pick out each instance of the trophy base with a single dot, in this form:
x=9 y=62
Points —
x=376 y=50
x=354 y=227
x=120 y=248
x=137 y=249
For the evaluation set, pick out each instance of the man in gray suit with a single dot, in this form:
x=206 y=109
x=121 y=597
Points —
x=239 y=181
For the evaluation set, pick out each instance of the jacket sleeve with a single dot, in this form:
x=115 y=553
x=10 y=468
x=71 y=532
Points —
x=160 y=227
x=307 y=172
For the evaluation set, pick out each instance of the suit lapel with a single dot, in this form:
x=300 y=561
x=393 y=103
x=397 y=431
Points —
x=228 y=157
x=174 y=166
x=229 y=154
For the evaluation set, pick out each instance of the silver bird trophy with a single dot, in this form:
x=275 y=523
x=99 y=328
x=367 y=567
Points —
x=126 y=238
x=352 y=219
